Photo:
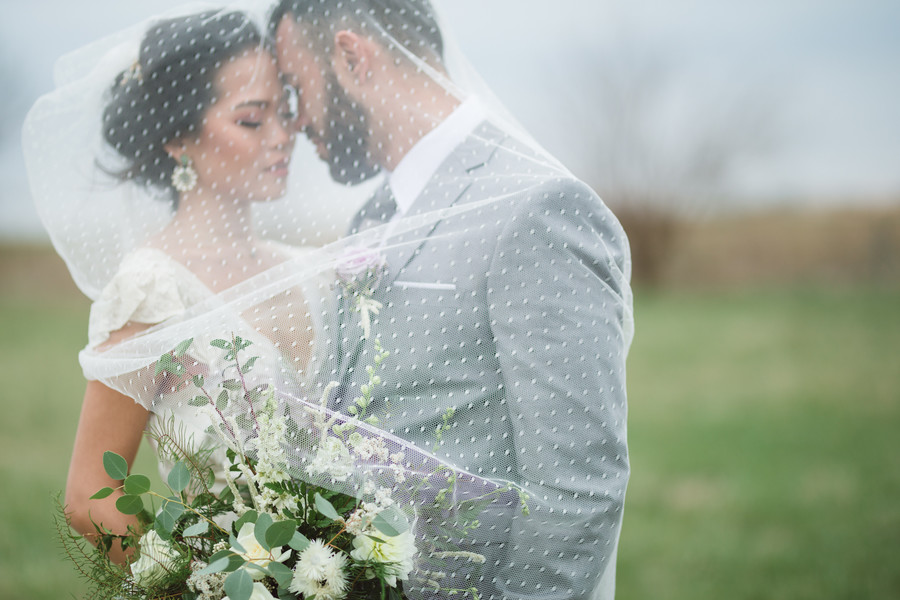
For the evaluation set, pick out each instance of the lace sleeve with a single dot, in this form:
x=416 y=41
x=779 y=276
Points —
x=149 y=287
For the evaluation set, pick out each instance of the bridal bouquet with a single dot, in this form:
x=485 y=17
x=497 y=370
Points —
x=267 y=534
x=329 y=522
x=313 y=503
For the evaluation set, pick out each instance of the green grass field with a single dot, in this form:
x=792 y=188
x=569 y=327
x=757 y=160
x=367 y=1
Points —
x=762 y=427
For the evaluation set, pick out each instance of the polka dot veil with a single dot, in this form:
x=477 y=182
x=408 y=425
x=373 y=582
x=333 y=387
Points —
x=420 y=288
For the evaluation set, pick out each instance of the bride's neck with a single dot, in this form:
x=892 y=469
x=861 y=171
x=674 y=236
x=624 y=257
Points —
x=206 y=222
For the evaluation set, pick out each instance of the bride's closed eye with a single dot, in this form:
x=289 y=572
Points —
x=252 y=114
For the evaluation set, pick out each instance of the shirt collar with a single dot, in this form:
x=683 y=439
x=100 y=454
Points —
x=414 y=170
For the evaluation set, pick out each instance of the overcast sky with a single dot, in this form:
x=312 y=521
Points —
x=827 y=70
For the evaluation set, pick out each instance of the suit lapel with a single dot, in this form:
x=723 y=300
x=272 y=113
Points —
x=373 y=212
x=445 y=188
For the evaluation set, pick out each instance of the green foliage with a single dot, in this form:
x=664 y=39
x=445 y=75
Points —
x=103 y=493
x=129 y=505
x=115 y=466
x=279 y=534
x=198 y=528
x=280 y=573
x=239 y=585
x=136 y=485
x=181 y=348
x=179 y=477
x=325 y=507
x=390 y=522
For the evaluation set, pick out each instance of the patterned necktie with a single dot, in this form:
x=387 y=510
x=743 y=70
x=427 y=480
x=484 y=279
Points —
x=377 y=211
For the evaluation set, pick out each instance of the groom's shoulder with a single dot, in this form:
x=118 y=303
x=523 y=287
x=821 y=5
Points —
x=520 y=165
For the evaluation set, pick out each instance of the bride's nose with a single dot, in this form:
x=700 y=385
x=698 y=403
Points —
x=280 y=136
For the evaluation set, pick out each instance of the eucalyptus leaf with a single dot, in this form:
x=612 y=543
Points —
x=198 y=400
x=101 y=494
x=249 y=364
x=173 y=506
x=232 y=385
x=248 y=517
x=325 y=507
x=198 y=381
x=129 y=504
x=390 y=522
x=163 y=364
x=285 y=594
x=222 y=400
x=232 y=562
x=239 y=585
x=169 y=512
x=280 y=573
x=223 y=344
x=116 y=466
x=280 y=533
x=235 y=544
x=263 y=522
x=252 y=566
x=299 y=542
x=196 y=529
x=181 y=348
x=215 y=566
x=165 y=522
x=179 y=477
x=137 y=484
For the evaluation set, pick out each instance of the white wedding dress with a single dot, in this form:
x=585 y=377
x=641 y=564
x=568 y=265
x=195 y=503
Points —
x=151 y=287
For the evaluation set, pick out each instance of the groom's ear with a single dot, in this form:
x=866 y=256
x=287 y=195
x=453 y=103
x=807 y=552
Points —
x=354 y=56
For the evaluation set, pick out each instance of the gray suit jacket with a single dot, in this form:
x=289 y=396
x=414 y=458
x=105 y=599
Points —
x=518 y=315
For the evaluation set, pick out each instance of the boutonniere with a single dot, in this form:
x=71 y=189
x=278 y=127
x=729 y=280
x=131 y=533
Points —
x=359 y=271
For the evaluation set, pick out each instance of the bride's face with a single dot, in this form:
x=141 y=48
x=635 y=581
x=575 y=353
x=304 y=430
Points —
x=244 y=147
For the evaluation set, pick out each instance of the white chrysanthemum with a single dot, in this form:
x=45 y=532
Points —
x=320 y=571
x=396 y=553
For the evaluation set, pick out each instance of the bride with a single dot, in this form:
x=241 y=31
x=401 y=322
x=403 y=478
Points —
x=201 y=119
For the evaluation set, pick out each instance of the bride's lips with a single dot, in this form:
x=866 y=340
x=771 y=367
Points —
x=280 y=168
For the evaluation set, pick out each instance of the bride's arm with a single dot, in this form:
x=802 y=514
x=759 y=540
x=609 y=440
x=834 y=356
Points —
x=109 y=421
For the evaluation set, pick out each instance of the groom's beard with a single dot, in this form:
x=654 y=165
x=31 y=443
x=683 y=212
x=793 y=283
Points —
x=347 y=137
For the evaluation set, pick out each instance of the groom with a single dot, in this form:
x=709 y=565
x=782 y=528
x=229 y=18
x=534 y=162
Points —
x=517 y=317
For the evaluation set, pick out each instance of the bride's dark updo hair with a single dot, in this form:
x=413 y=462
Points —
x=165 y=94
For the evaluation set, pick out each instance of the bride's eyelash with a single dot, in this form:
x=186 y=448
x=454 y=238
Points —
x=250 y=124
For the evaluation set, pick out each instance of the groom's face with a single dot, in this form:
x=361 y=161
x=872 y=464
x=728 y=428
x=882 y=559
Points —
x=332 y=121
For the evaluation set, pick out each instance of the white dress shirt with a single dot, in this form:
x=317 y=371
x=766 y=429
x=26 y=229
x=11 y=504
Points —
x=414 y=170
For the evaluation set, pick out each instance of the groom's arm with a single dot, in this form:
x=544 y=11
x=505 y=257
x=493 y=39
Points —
x=560 y=308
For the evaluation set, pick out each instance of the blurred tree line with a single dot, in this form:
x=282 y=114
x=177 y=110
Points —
x=660 y=150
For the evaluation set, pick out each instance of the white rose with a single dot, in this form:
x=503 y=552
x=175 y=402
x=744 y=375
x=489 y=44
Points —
x=398 y=550
x=158 y=557
x=255 y=553
x=259 y=593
